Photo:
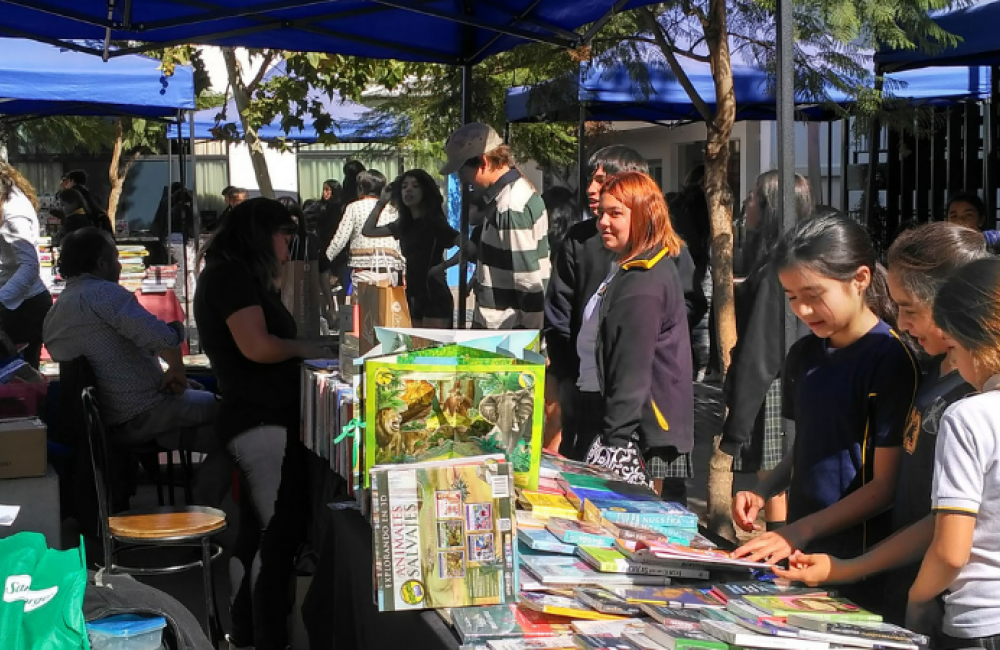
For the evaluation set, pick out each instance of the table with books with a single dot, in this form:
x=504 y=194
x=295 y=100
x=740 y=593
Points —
x=463 y=534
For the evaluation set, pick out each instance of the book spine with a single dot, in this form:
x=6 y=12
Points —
x=404 y=532
x=638 y=568
x=507 y=523
x=385 y=588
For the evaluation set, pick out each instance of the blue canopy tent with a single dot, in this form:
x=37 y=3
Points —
x=349 y=121
x=458 y=32
x=978 y=46
x=610 y=95
x=38 y=79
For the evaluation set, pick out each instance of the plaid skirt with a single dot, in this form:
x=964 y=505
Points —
x=768 y=445
x=680 y=467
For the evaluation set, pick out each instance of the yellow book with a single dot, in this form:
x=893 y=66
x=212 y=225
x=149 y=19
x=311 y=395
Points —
x=543 y=505
x=563 y=606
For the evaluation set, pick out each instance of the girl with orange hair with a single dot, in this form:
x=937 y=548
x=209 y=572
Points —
x=635 y=353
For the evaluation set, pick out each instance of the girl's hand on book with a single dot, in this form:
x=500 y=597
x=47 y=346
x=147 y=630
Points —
x=746 y=506
x=812 y=569
x=771 y=547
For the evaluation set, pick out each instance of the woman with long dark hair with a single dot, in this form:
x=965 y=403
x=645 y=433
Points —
x=424 y=235
x=249 y=338
x=24 y=300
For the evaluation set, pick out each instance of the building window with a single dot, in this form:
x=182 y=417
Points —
x=656 y=170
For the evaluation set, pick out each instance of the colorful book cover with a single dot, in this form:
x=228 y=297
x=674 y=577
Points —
x=581 y=533
x=737 y=635
x=748 y=612
x=640 y=513
x=673 y=616
x=680 y=536
x=877 y=634
x=825 y=607
x=653 y=552
x=544 y=506
x=566 y=570
x=726 y=590
x=586 y=642
x=543 y=540
x=676 y=638
x=677 y=597
x=505 y=622
x=444 y=534
x=606 y=601
x=578 y=495
x=527 y=520
x=609 y=560
x=422 y=411
x=563 y=642
x=607 y=628
x=556 y=466
x=564 y=606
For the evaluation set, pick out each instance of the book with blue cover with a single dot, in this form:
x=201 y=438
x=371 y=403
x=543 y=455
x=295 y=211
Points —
x=581 y=533
x=543 y=540
x=640 y=513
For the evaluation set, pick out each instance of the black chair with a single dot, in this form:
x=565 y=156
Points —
x=132 y=530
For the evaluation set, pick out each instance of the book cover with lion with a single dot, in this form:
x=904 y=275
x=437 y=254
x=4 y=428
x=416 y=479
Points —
x=453 y=402
x=444 y=534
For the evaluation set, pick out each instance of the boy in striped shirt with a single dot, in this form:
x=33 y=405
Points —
x=513 y=270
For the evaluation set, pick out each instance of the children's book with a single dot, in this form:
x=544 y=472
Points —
x=607 y=628
x=586 y=642
x=609 y=560
x=543 y=540
x=640 y=513
x=555 y=570
x=606 y=602
x=726 y=590
x=480 y=624
x=824 y=607
x=444 y=535
x=564 y=606
x=581 y=533
x=563 y=642
x=654 y=552
x=578 y=495
x=867 y=635
x=544 y=506
x=677 y=597
x=739 y=636
x=676 y=638
x=450 y=402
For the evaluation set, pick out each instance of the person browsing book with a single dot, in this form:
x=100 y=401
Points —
x=634 y=349
x=963 y=561
x=250 y=339
x=849 y=386
x=920 y=261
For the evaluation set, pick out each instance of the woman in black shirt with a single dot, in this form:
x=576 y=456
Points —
x=249 y=338
x=424 y=235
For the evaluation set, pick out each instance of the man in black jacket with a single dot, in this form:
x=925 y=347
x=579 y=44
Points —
x=581 y=265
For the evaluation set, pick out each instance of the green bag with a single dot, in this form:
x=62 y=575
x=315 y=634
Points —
x=42 y=603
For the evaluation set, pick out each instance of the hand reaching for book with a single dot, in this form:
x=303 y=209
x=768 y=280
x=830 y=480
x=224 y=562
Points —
x=746 y=506
x=771 y=547
x=814 y=569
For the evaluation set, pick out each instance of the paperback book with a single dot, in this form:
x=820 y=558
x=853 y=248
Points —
x=543 y=540
x=726 y=590
x=587 y=642
x=823 y=607
x=479 y=624
x=563 y=642
x=609 y=560
x=640 y=513
x=607 y=628
x=544 y=506
x=581 y=533
x=681 y=536
x=443 y=534
x=739 y=636
x=869 y=635
x=653 y=552
x=606 y=601
x=559 y=570
x=564 y=606
x=677 y=597
x=676 y=638
x=673 y=617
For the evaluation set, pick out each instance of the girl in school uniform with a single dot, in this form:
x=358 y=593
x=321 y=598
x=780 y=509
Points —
x=848 y=386
x=920 y=261
x=963 y=561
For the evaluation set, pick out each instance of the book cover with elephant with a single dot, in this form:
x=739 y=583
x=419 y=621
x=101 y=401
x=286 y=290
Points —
x=452 y=402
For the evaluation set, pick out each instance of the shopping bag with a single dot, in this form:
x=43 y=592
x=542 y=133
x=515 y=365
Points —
x=42 y=603
x=379 y=305
x=300 y=291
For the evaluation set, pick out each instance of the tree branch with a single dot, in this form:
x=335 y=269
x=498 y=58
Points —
x=265 y=65
x=668 y=52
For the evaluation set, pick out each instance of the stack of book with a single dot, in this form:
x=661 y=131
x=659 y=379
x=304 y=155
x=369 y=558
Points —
x=159 y=279
x=327 y=408
x=46 y=261
x=133 y=269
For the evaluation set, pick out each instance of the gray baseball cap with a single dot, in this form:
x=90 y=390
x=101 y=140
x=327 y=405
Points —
x=467 y=142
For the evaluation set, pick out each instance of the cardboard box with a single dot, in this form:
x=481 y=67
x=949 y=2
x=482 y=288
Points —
x=22 y=448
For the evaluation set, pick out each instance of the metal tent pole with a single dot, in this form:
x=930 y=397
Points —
x=463 y=262
x=786 y=137
x=581 y=157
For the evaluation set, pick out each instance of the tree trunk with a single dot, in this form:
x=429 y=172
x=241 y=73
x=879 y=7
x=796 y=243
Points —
x=720 y=206
x=242 y=98
x=118 y=173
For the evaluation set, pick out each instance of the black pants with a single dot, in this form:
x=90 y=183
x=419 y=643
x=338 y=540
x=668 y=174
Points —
x=951 y=643
x=24 y=325
x=582 y=419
